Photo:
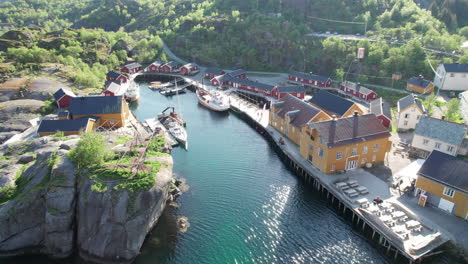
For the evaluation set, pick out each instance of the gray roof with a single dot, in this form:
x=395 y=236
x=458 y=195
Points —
x=237 y=72
x=291 y=89
x=133 y=65
x=455 y=67
x=357 y=87
x=65 y=125
x=445 y=131
x=380 y=107
x=418 y=81
x=310 y=76
x=94 y=105
x=331 y=103
x=409 y=100
x=172 y=64
x=214 y=71
x=62 y=92
x=299 y=111
x=251 y=83
x=446 y=169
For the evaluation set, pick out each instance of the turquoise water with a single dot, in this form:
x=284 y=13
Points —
x=243 y=205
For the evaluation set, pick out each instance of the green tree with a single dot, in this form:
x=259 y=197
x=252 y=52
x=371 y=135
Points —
x=91 y=151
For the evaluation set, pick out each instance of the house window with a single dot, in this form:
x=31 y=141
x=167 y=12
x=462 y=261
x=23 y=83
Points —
x=373 y=158
x=310 y=157
x=321 y=140
x=332 y=168
x=354 y=152
x=450 y=148
x=449 y=192
x=406 y=115
x=376 y=147
x=437 y=145
x=311 y=147
x=320 y=152
x=363 y=161
x=425 y=141
x=405 y=123
x=312 y=138
x=364 y=150
x=339 y=155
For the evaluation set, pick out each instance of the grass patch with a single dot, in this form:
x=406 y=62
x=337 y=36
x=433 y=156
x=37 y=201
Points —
x=391 y=97
x=10 y=192
x=20 y=149
x=439 y=103
x=49 y=107
x=58 y=136
x=122 y=140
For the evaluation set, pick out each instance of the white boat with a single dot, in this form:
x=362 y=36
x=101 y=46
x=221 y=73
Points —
x=178 y=132
x=133 y=92
x=172 y=91
x=212 y=101
x=159 y=85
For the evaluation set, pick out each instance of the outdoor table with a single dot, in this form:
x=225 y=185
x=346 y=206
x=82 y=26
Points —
x=399 y=229
x=362 y=190
x=340 y=185
x=398 y=214
x=362 y=201
x=353 y=183
x=386 y=218
x=412 y=223
x=351 y=192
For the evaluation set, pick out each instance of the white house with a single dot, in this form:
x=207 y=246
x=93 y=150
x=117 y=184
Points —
x=410 y=110
x=438 y=134
x=452 y=76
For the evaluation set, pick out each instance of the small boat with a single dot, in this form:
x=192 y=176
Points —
x=133 y=92
x=212 y=101
x=172 y=91
x=178 y=132
x=172 y=116
x=159 y=85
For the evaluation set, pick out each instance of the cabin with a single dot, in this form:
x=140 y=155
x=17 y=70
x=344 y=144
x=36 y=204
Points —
x=334 y=105
x=114 y=89
x=239 y=73
x=452 y=77
x=438 y=134
x=171 y=66
x=281 y=91
x=381 y=109
x=67 y=126
x=189 y=69
x=410 y=109
x=419 y=85
x=397 y=76
x=310 y=79
x=222 y=80
x=131 y=68
x=358 y=91
x=442 y=183
x=251 y=86
x=62 y=96
x=154 y=67
x=345 y=143
x=115 y=76
x=210 y=73
x=112 y=111
x=291 y=114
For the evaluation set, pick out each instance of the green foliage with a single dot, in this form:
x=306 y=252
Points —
x=452 y=113
x=8 y=193
x=49 y=107
x=122 y=140
x=91 y=151
x=429 y=102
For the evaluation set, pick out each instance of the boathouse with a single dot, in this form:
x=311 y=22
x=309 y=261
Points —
x=251 y=86
x=381 y=109
x=171 y=66
x=154 y=67
x=334 y=105
x=345 y=143
x=358 y=91
x=309 y=79
x=189 y=69
x=222 y=80
x=131 y=68
x=113 y=89
x=67 y=126
x=62 y=96
x=281 y=91
x=442 y=182
x=210 y=73
x=239 y=73
x=291 y=114
x=420 y=85
x=112 y=111
x=115 y=76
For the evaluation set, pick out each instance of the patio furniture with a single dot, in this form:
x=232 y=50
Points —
x=362 y=201
x=402 y=219
x=398 y=214
x=412 y=224
x=386 y=219
x=342 y=185
x=399 y=229
x=417 y=229
x=351 y=193
x=362 y=190
x=352 y=183
x=404 y=236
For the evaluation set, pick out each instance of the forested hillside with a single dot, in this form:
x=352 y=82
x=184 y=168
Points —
x=271 y=34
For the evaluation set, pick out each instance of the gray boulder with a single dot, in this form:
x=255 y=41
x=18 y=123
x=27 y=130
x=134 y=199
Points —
x=26 y=158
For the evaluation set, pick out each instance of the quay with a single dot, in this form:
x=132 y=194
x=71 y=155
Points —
x=372 y=220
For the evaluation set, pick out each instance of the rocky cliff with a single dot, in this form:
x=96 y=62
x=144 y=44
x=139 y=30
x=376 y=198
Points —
x=47 y=207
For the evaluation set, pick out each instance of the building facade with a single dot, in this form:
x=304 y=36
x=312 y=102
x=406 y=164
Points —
x=358 y=91
x=410 y=110
x=452 y=77
x=109 y=111
x=189 y=69
x=309 y=79
x=345 y=143
x=154 y=67
x=381 y=109
x=131 y=68
x=63 y=96
x=281 y=91
x=420 y=85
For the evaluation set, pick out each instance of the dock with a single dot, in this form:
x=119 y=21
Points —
x=153 y=124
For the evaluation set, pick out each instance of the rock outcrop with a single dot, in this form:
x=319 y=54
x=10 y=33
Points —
x=57 y=212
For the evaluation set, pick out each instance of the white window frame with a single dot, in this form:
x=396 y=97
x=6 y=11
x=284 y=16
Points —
x=425 y=142
x=339 y=155
x=365 y=149
x=449 y=192
x=332 y=168
x=376 y=147
x=320 y=152
x=450 y=149
x=437 y=145
x=354 y=152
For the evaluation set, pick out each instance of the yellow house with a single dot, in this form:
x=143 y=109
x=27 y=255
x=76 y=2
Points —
x=419 y=85
x=291 y=114
x=345 y=143
x=443 y=182
x=67 y=126
x=334 y=104
x=110 y=111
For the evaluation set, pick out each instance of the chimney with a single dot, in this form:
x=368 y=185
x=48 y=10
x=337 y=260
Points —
x=355 y=124
x=443 y=117
x=331 y=134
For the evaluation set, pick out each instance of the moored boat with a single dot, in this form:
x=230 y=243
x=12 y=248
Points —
x=133 y=93
x=159 y=85
x=212 y=101
x=175 y=125
x=172 y=91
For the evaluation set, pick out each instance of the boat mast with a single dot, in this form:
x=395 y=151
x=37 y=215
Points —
x=178 y=100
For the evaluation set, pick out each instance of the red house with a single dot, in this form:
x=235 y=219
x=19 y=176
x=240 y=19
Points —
x=171 y=66
x=309 y=79
x=114 y=88
x=251 y=86
x=62 y=96
x=114 y=76
x=154 y=67
x=131 y=68
x=222 y=80
x=210 y=73
x=358 y=91
x=239 y=73
x=280 y=91
x=381 y=109
x=189 y=69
